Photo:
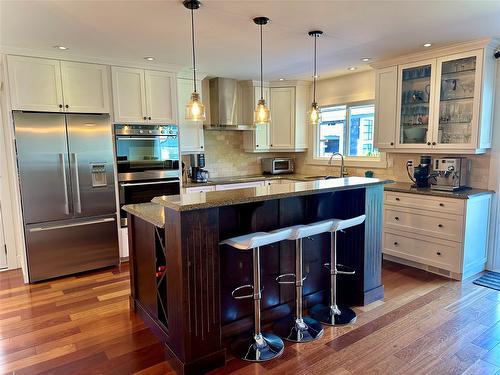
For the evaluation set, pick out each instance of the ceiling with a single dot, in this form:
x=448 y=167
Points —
x=227 y=39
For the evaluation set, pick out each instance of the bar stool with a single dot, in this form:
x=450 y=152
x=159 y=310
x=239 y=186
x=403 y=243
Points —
x=334 y=314
x=300 y=328
x=261 y=346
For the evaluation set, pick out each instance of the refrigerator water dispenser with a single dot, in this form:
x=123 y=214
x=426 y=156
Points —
x=98 y=172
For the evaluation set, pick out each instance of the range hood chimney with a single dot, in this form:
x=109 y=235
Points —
x=223 y=93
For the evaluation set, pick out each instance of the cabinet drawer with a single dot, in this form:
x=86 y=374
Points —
x=426 y=202
x=434 y=252
x=424 y=222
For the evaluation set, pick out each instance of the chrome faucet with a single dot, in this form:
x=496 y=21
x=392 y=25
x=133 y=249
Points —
x=342 y=173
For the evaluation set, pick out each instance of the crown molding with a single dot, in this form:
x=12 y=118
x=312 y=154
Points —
x=487 y=43
x=69 y=56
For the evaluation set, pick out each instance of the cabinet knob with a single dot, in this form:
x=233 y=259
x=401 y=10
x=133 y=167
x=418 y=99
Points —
x=145 y=118
x=438 y=252
x=60 y=105
x=396 y=244
x=397 y=199
x=149 y=118
x=440 y=225
x=396 y=218
x=201 y=146
x=441 y=204
x=428 y=143
x=392 y=143
x=256 y=145
x=433 y=143
x=271 y=145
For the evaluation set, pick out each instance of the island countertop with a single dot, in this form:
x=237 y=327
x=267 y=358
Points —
x=151 y=212
x=195 y=201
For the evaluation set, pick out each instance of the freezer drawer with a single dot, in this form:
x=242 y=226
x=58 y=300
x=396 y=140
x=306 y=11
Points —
x=71 y=246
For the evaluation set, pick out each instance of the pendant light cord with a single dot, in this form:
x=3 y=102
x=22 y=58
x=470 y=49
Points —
x=314 y=74
x=261 y=68
x=194 y=53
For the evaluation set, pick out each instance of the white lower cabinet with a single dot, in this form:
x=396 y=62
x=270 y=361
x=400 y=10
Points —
x=448 y=236
x=241 y=185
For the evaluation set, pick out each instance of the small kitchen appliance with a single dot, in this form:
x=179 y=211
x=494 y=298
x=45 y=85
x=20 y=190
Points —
x=451 y=173
x=421 y=173
x=198 y=174
x=277 y=165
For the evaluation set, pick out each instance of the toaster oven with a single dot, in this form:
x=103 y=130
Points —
x=277 y=165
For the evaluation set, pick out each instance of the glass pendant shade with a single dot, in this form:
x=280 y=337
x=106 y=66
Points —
x=261 y=115
x=195 y=110
x=314 y=114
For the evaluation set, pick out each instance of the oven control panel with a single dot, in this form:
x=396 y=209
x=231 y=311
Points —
x=125 y=129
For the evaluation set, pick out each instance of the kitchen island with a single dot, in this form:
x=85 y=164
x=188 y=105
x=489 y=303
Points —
x=182 y=279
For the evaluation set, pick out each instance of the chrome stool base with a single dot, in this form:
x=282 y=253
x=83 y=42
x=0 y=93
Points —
x=296 y=330
x=258 y=348
x=333 y=317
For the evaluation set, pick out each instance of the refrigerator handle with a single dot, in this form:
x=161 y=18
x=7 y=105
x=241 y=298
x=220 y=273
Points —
x=77 y=184
x=90 y=222
x=63 y=168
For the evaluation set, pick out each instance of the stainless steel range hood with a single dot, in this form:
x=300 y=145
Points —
x=223 y=93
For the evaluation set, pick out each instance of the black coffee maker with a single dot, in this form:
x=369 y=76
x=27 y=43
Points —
x=422 y=172
x=198 y=174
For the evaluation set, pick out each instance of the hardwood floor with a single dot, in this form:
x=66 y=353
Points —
x=82 y=325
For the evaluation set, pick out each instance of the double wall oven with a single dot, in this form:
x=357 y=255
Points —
x=147 y=159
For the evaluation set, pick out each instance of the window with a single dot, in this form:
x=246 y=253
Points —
x=347 y=129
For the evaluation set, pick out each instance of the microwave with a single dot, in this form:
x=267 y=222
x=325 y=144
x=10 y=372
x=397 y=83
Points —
x=277 y=165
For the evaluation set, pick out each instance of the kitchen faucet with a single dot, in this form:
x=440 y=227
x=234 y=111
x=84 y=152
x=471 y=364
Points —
x=342 y=174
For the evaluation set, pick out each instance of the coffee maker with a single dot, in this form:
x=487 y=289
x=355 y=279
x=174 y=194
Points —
x=451 y=173
x=198 y=174
x=422 y=172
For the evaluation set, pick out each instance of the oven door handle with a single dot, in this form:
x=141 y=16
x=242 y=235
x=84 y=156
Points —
x=143 y=138
x=150 y=183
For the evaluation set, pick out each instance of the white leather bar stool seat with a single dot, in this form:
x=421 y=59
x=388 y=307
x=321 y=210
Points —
x=257 y=239
x=299 y=328
x=334 y=314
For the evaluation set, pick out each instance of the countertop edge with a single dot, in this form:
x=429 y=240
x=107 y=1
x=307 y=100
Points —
x=151 y=212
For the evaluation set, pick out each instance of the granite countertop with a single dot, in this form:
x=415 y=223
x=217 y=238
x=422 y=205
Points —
x=188 y=202
x=248 y=178
x=405 y=187
x=151 y=212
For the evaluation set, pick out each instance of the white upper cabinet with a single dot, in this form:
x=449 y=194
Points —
x=444 y=102
x=144 y=96
x=386 y=88
x=282 y=124
x=191 y=132
x=160 y=97
x=129 y=94
x=35 y=84
x=258 y=139
x=57 y=86
x=85 y=87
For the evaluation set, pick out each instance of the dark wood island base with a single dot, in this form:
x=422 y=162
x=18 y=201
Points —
x=181 y=279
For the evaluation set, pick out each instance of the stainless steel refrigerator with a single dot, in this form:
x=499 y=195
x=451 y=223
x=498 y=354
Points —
x=66 y=175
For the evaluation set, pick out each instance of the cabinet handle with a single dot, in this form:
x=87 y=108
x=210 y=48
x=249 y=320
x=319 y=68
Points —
x=397 y=199
x=428 y=143
x=438 y=252
x=433 y=143
x=392 y=143
x=397 y=218
x=441 y=204
x=396 y=244
x=60 y=105
x=440 y=225
x=149 y=118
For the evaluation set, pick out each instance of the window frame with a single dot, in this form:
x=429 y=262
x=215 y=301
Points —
x=350 y=161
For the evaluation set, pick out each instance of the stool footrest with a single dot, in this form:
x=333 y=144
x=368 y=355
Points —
x=248 y=286
x=278 y=279
x=345 y=270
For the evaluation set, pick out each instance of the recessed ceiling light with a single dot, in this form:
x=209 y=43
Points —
x=427 y=44
x=351 y=68
x=149 y=58
x=366 y=59
x=62 y=48
x=282 y=79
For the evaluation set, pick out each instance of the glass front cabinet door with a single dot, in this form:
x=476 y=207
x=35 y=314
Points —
x=415 y=110
x=459 y=85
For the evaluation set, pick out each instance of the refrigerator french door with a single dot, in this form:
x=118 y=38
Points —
x=65 y=167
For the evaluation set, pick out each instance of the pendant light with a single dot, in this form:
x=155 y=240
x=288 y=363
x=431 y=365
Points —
x=261 y=115
x=195 y=110
x=315 y=113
